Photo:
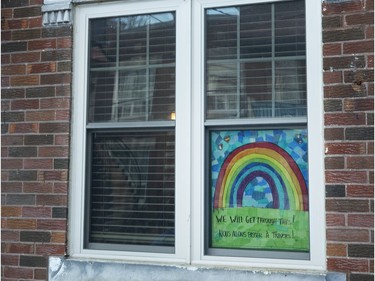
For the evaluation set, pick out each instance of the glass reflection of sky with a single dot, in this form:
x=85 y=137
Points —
x=230 y=11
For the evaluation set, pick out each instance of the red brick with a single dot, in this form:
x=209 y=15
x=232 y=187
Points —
x=369 y=5
x=348 y=235
x=60 y=188
x=344 y=119
x=25 y=57
x=16 y=69
x=64 y=43
x=29 y=80
x=340 y=91
x=19 y=248
x=45 y=115
x=19 y=272
x=21 y=224
x=17 y=23
x=54 y=127
x=10 y=260
x=346 y=177
x=6 y=13
x=50 y=79
x=63 y=115
x=336 y=250
x=347 y=205
x=335 y=220
x=332 y=77
x=56 y=151
x=43 y=44
x=5 y=81
x=12 y=187
x=369 y=32
x=55 y=103
x=333 y=134
x=11 y=164
x=58 y=237
x=62 y=140
x=370 y=61
x=36 y=212
x=360 y=191
x=346 y=148
x=50 y=249
x=10 y=211
x=23 y=128
x=351 y=105
x=41 y=67
x=30 y=187
x=7 y=235
x=342 y=264
x=340 y=8
x=363 y=18
x=51 y=224
x=51 y=200
x=360 y=162
x=5 y=59
x=38 y=163
x=35 y=22
x=40 y=274
x=361 y=220
x=358 y=47
x=53 y=176
x=334 y=163
x=370 y=148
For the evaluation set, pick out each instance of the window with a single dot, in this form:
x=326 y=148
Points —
x=192 y=138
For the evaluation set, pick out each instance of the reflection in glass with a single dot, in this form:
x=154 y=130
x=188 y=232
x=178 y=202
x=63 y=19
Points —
x=255 y=61
x=138 y=53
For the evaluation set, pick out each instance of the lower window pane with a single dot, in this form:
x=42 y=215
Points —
x=131 y=189
x=259 y=190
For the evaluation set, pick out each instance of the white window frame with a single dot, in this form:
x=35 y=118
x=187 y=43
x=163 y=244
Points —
x=190 y=137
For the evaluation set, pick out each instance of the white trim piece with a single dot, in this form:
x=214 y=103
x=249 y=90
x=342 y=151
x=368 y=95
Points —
x=317 y=260
x=79 y=125
x=190 y=137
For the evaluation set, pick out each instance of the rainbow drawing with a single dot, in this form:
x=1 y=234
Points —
x=264 y=160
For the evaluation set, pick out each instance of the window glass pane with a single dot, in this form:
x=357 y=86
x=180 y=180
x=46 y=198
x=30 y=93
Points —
x=131 y=188
x=139 y=53
x=250 y=54
x=259 y=190
x=290 y=28
x=290 y=88
x=256 y=31
x=257 y=91
x=221 y=37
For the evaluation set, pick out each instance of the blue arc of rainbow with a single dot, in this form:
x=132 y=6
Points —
x=268 y=161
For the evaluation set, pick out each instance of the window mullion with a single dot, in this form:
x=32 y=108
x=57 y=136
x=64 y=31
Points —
x=273 y=59
x=238 y=98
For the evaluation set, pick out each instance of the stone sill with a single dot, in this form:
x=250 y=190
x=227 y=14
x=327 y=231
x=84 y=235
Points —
x=62 y=269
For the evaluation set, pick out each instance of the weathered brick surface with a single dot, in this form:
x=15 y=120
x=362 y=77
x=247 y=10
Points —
x=349 y=134
x=36 y=83
x=36 y=97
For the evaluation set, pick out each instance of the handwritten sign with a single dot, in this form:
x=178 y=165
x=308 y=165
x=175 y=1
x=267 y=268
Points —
x=256 y=228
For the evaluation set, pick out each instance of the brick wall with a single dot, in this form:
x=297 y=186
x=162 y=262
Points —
x=36 y=76
x=348 y=38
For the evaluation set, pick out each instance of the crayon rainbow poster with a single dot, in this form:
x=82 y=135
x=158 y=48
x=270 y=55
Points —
x=258 y=177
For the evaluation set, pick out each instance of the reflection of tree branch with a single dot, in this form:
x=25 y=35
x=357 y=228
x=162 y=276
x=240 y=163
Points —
x=135 y=177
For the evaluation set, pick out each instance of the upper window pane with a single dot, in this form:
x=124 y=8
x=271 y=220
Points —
x=255 y=61
x=136 y=54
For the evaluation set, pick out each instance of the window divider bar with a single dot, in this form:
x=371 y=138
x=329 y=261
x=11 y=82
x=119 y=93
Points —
x=125 y=125
x=256 y=121
x=273 y=60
